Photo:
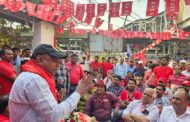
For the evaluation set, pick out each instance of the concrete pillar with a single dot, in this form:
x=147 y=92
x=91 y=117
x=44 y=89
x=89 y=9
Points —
x=43 y=33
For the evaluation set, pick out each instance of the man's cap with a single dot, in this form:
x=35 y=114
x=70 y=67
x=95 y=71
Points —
x=186 y=83
x=100 y=83
x=43 y=49
x=183 y=61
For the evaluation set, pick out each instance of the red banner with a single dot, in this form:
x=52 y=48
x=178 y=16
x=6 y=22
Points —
x=90 y=10
x=172 y=6
x=114 y=9
x=152 y=7
x=58 y=10
x=102 y=7
x=80 y=9
x=98 y=22
x=187 y=2
x=126 y=8
x=88 y=20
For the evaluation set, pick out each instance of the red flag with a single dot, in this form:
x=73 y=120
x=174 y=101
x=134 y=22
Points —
x=187 y=2
x=102 y=7
x=110 y=27
x=114 y=9
x=172 y=6
x=58 y=10
x=126 y=8
x=98 y=22
x=152 y=7
x=46 y=1
x=90 y=10
x=71 y=9
x=88 y=20
x=80 y=9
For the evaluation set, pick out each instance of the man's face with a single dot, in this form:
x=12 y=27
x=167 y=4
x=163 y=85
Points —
x=96 y=59
x=159 y=91
x=8 y=55
x=163 y=62
x=131 y=85
x=177 y=69
x=179 y=99
x=188 y=65
x=74 y=59
x=115 y=80
x=100 y=90
x=49 y=63
x=27 y=53
x=147 y=96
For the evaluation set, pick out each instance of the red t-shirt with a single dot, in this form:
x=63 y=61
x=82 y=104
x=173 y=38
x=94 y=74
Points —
x=135 y=96
x=4 y=118
x=163 y=73
x=75 y=72
x=95 y=66
x=6 y=72
x=106 y=66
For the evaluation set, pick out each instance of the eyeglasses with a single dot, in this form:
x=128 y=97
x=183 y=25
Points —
x=148 y=95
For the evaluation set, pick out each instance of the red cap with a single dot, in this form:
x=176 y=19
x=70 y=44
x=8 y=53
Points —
x=187 y=83
x=100 y=83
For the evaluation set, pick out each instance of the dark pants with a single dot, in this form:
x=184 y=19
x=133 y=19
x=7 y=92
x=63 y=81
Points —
x=73 y=88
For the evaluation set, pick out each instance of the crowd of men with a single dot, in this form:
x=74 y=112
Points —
x=47 y=85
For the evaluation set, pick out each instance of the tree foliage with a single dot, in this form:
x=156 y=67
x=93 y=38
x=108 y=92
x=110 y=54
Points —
x=10 y=32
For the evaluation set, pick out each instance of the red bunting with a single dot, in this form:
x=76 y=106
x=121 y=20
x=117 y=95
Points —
x=187 y=2
x=31 y=8
x=90 y=10
x=98 y=22
x=80 y=9
x=58 y=10
x=1 y=2
x=88 y=20
x=152 y=7
x=60 y=19
x=13 y=5
x=126 y=8
x=172 y=6
x=114 y=9
x=102 y=7
x=71 y=9
x=46 y=2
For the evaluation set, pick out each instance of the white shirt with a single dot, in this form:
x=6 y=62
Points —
x=186 y=73
x=168 y=115
x=136 y=107
x=31 y=100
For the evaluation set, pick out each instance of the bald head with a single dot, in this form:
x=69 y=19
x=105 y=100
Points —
x=148 y=95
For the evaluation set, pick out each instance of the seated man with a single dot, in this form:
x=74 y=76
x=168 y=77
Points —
x=115 y=88
x=178 y=111
x=160 y=99
x=101 y=103
x=142 y=110
x=4 y=112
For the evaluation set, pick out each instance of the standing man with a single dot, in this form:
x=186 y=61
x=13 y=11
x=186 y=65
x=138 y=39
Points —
x=75 y=72
x=7 y=72
x=95 y=65
x=106 y=66
x=162 y=72
x=33 y=96
x=121 y=69
x=178 y=111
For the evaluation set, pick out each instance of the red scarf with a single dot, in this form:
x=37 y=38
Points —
x=34 y=67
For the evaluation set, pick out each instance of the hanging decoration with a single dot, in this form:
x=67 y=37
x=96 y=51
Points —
x=80 y=9
x=152 y=7
x=187 y=2
x=31 y=8
x=126 y=8
x=172 y=8
x=101 y=9
x=114 y=9
x=98 y=22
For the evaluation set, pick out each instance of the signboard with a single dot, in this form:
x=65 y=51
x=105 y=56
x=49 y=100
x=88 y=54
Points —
x=99 y=43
